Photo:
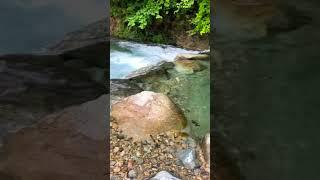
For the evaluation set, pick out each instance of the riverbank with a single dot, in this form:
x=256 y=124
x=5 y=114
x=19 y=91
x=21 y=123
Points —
x=174 y=33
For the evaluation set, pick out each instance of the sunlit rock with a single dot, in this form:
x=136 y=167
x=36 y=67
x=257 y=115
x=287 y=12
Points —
x=147 y=113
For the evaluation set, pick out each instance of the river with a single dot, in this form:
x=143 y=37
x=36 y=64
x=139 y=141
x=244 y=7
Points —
x=126 y=56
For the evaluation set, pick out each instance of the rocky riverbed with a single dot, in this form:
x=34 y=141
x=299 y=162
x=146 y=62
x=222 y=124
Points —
x=182 y=154
x=144 y=159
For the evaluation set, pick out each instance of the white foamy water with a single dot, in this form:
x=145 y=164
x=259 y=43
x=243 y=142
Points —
x=126 y=56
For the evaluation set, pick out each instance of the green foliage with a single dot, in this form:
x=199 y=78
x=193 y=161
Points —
x=158 y=38
x=202 y=19
x=142 y=14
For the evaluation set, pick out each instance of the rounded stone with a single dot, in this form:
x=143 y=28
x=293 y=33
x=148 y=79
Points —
x=147 y=113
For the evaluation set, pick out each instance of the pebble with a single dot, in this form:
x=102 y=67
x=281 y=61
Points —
x=188 y=158
x=122 y=153
x=116 y=149
x=162 y=157
x=130 y=164
x=112 y=163
x=164 y=175
x=116 y=169
x=145 y=158
x=120 y=136
x=132 y=174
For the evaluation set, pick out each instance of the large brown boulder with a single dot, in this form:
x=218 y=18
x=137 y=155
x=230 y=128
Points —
x=147 y=113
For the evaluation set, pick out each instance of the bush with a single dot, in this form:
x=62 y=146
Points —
x=141 y=14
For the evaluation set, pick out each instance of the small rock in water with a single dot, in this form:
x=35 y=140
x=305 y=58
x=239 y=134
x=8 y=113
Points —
x=187 y=66
x=188 y=158
x=164 y=175
x=132 y=174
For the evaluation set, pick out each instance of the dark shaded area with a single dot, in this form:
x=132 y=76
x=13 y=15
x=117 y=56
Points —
x=266 y=98
x=33 y=86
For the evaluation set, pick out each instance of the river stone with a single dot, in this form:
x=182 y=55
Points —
x=132 y=174
x=187 y=56
x=147 y=113
x=188 y=158
x=164 y=175
x=187 y=66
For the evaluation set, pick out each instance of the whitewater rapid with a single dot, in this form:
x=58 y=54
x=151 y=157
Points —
x=126 y=57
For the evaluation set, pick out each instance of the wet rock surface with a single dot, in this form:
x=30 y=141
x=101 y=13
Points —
x=121 y=88
x=187 y=66
x=157 y=69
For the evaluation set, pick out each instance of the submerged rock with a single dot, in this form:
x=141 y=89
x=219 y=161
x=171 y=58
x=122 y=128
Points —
x=188 y=158
x=187 y=66
x=147 y=113
x=121 y=88
x=164 y=175
x=159 y=68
